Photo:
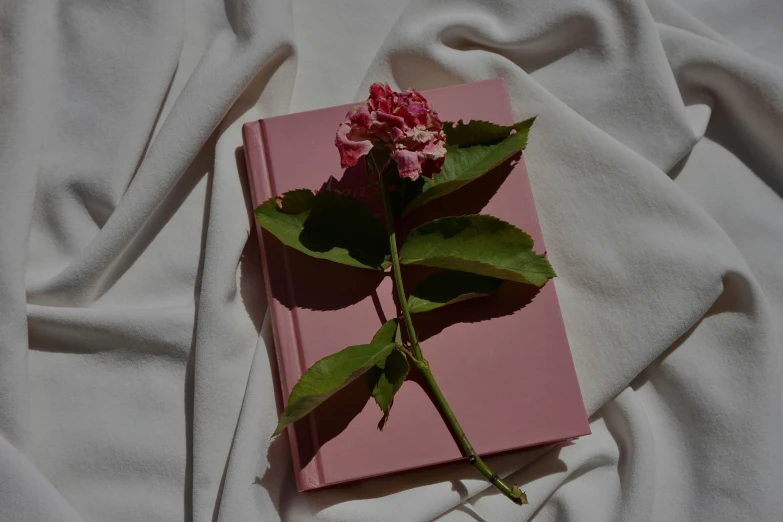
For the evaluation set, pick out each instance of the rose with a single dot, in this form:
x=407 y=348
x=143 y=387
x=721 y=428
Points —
x=405 y=122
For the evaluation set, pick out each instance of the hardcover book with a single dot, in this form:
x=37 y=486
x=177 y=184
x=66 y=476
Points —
x=503 y=362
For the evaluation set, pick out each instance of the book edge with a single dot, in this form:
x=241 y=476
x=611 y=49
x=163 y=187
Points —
x=439 y=89
x=538 y=444
x=258 y=163
x=586 y=419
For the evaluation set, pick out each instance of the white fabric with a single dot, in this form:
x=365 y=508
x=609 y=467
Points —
x=136 y=371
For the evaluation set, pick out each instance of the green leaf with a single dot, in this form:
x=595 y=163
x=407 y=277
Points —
x=479 y=244
x=472 y=150
x=479 y=132
x=387 y=377
x=334 y=372
x=450 y=287
x=297 y=201
x=327 y=226
x=387 y=333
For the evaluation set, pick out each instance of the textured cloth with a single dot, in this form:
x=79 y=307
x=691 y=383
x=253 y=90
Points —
x=136 y=369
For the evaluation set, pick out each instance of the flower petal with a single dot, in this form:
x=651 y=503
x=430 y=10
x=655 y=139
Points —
x=408 y=163
x=405 y=122
x=350 y=148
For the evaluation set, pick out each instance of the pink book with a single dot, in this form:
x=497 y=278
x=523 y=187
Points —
x=503 y=362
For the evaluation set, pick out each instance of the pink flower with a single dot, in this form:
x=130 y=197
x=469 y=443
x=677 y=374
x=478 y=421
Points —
x=405 y=122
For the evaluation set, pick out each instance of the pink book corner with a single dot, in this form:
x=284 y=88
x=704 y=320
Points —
x=506 y=370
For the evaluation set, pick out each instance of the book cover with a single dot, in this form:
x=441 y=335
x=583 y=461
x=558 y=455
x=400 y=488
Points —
x=503 y=362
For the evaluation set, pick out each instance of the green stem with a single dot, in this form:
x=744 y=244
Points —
x=512 y=492
x=397 y=273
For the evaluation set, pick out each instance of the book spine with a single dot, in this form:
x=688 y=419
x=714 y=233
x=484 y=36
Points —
x=285 y=327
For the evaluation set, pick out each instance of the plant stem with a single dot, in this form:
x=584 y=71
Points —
x=512 y=492
x=397 y=273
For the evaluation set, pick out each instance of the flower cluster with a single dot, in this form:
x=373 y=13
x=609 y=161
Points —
x=405 y=122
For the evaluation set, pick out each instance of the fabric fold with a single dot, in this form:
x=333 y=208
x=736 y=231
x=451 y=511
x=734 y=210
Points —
x=137 y=373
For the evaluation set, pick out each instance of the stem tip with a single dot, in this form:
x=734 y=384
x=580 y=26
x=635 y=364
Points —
x=518 y=495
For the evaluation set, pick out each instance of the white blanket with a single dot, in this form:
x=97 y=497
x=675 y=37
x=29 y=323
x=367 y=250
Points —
x=136 y=369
